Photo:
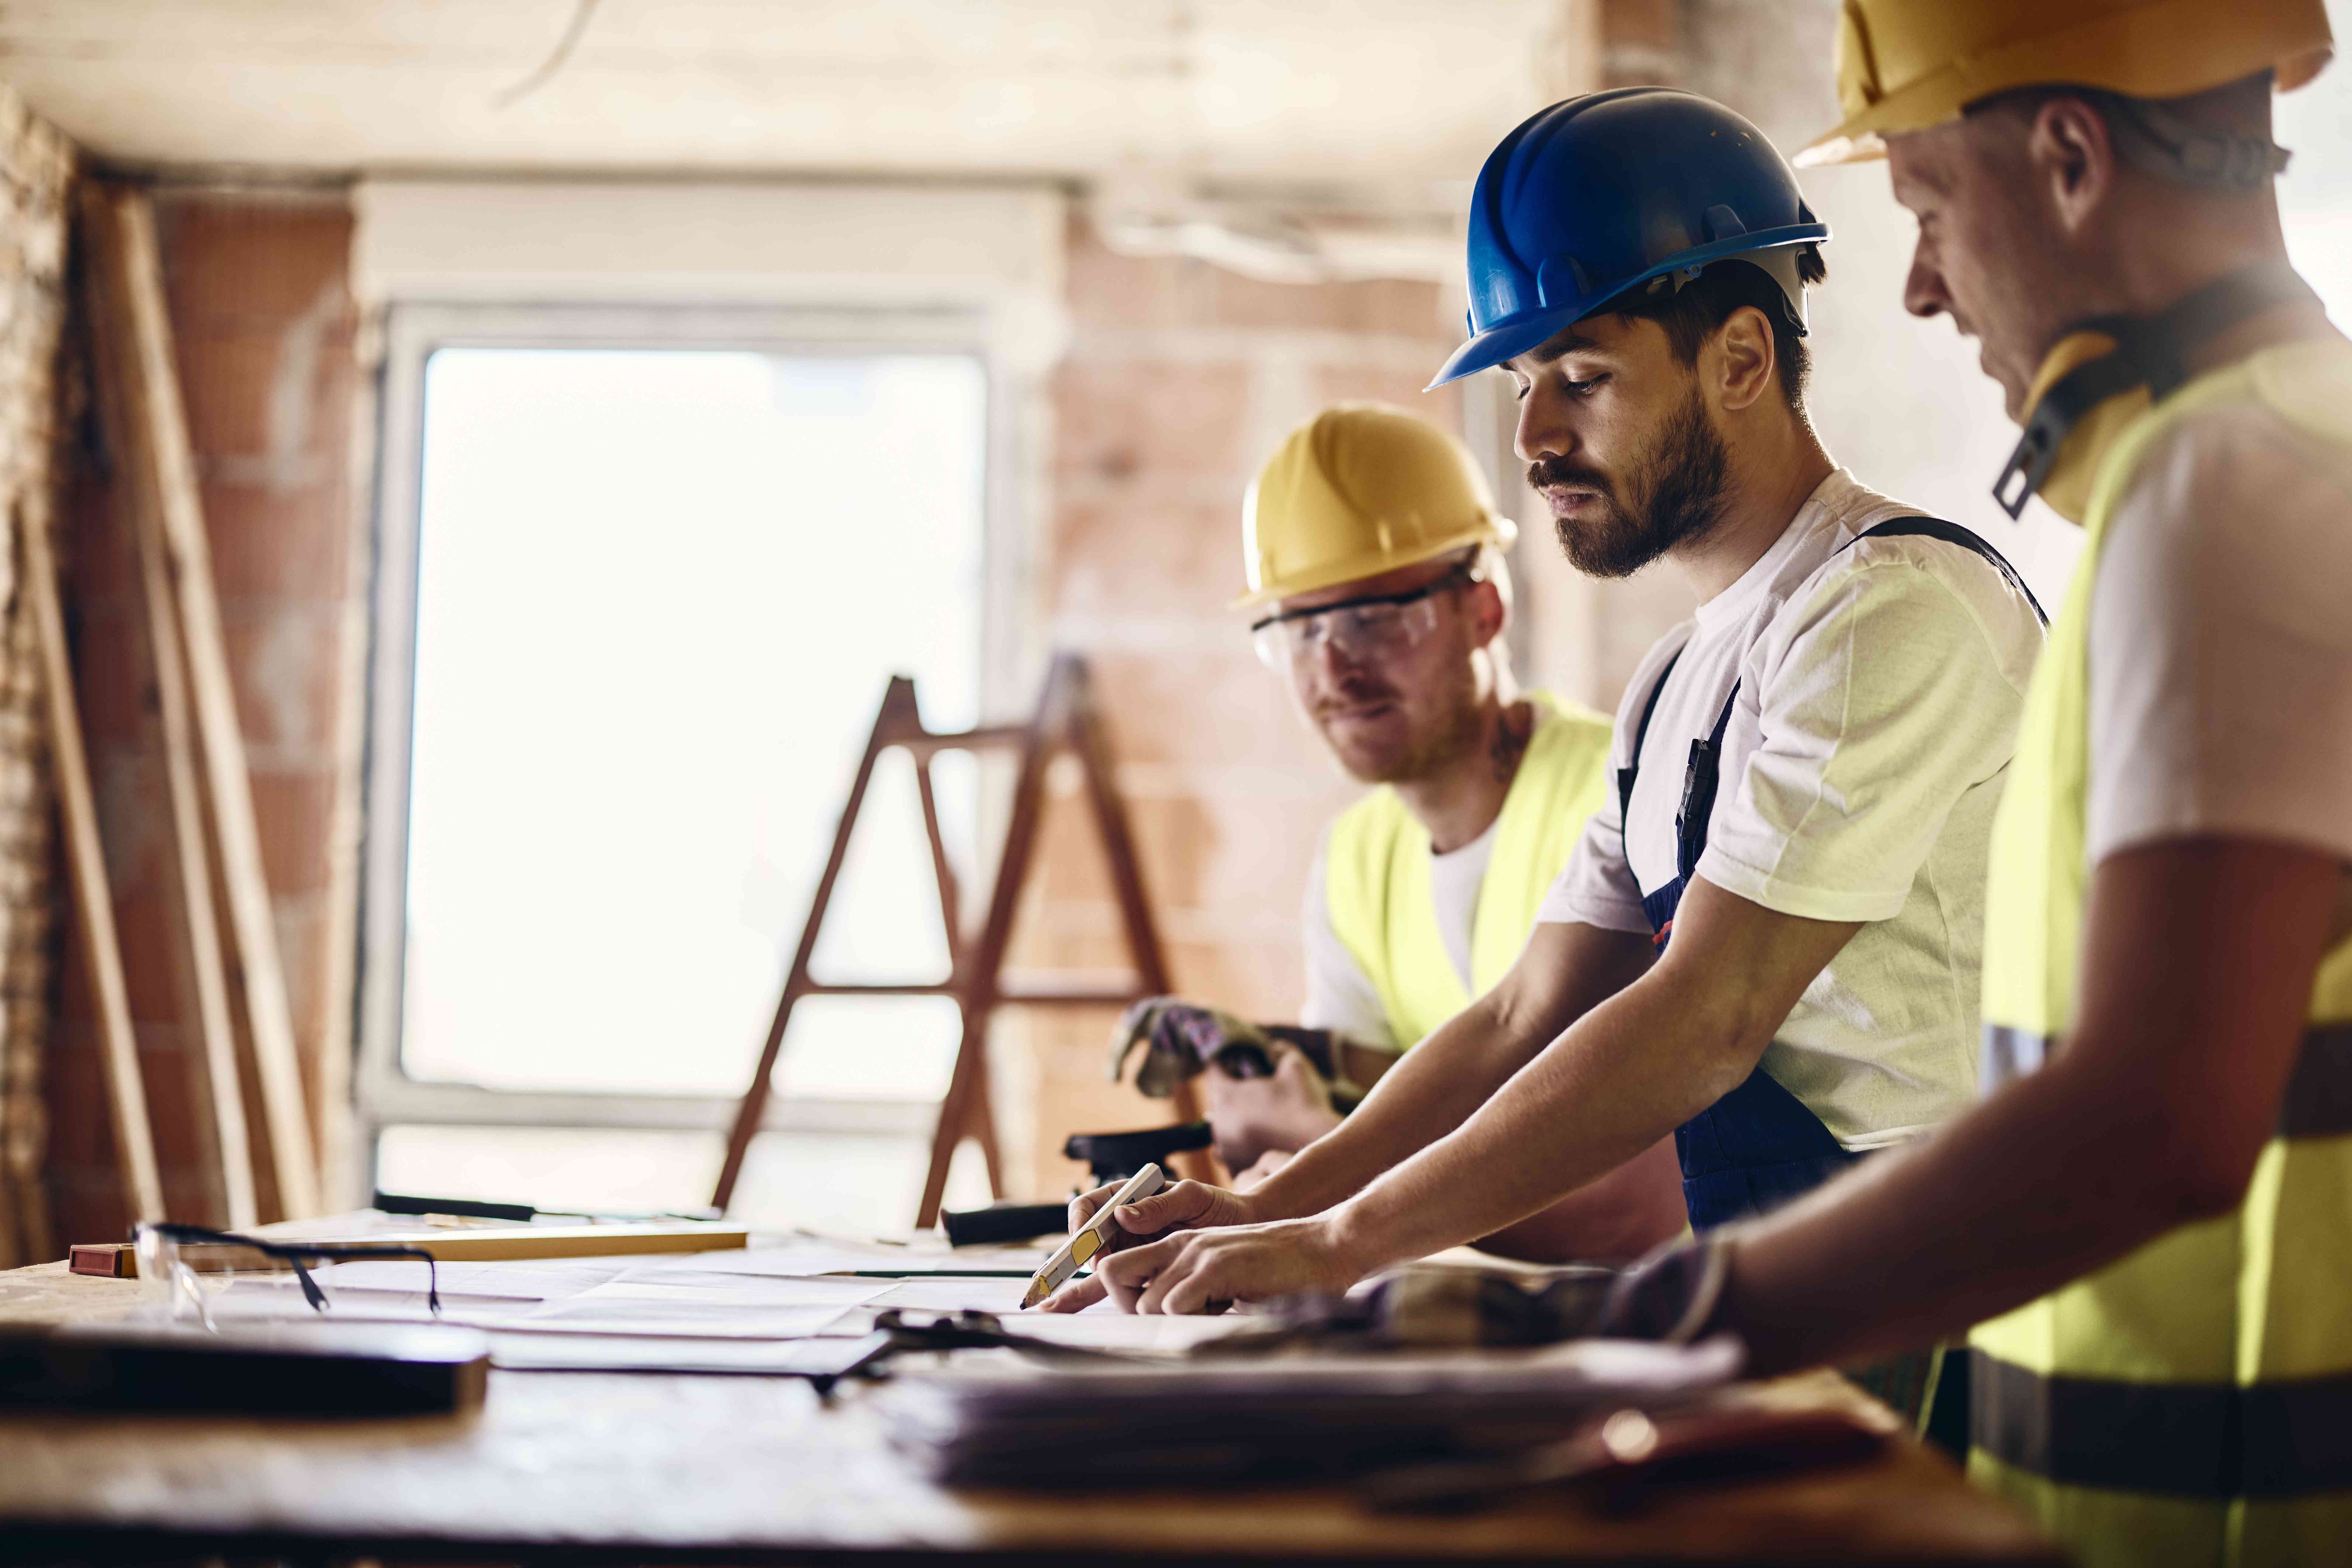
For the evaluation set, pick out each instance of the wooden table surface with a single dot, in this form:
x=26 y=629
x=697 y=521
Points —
x=644 y=1468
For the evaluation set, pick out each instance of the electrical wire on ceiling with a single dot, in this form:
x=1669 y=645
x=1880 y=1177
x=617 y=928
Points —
x=554 y=61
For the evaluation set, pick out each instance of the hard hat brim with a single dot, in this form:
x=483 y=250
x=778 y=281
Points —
x=2155 y=50
x=1515 y=336
x=1492 y=528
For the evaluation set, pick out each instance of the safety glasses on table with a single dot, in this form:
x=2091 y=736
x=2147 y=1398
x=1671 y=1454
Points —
x=185 y=1266
x=1361 y=630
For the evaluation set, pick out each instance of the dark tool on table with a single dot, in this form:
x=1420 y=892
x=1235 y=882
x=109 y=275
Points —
x=1627 y=1456
x=1116 y=1156
x=274 y=1369
x=1109 y=1156
x=477 y=1208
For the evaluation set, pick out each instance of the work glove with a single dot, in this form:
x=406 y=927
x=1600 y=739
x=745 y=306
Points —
x=1179 y=1039
x=1674 y=1296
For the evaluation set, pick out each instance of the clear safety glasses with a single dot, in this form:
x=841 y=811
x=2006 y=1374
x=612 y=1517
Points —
x=184 y=1267
x=1362 y=631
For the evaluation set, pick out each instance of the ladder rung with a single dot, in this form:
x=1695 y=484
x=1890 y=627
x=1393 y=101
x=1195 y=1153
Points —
x=1100 y=996
x=965 y=740
x=820 y=988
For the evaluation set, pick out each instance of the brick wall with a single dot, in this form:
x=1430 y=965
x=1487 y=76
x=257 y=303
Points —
x=264 y=328
x=35 y=171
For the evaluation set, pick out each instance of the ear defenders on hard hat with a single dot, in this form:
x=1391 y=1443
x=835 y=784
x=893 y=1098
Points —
x=1616 y=192
x=2107 y=370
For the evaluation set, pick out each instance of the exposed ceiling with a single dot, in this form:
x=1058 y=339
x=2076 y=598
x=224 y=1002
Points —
x=1398 y=96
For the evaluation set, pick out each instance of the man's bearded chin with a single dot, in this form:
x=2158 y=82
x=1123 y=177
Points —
x=1681 y=498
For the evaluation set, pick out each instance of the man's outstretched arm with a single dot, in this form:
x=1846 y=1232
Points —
x=1564 y=971
x=2197 y=962
x=1628 y=1071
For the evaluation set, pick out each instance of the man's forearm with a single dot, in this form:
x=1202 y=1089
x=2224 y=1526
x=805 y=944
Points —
x=2197 y=964
x=1425 y=1095
x=1441 y=1083
x=1625 y=1075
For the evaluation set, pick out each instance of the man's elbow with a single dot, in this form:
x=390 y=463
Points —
x=2180 y=1165
x=2204 y=1176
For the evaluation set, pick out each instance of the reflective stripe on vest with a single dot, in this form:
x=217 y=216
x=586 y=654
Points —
x=2192 y=1402
x=1376 y=874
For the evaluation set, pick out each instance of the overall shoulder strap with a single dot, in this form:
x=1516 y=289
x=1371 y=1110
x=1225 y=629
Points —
x=1952 y=533
x=1632 y=768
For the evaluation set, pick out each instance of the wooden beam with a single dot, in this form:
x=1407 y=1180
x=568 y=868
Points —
x=141 y=358
x=126 y=1092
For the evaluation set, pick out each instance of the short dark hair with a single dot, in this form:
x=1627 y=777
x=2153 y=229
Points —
x=1692 y=314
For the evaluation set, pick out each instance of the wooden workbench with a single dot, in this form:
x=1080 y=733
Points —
x=640 y=1469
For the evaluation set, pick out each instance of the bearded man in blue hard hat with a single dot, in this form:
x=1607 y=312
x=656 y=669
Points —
x=1767 y=940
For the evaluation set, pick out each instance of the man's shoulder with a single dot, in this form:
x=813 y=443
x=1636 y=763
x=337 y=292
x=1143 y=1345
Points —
x=1922 y=574
x=1368 y=826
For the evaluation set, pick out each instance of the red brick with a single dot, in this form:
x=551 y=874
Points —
x=1385 y=309
x=268 y=540
x=1401 y=386
x=293 y=812
x=250 y=263
x=1143 y=420
x=282 y=661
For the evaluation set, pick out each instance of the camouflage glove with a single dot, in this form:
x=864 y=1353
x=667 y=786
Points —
x=1180 y=1039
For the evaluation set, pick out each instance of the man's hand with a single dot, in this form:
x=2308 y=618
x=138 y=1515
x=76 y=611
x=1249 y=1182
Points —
x=1209 y=1270
x=1186 y=1205
x=1281 y=1114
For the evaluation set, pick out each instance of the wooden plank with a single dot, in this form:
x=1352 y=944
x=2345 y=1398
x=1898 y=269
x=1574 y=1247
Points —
x=196 y=935
x=126 y=1092
x=151 y=390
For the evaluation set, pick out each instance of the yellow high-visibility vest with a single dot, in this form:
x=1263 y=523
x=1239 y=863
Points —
x=2191 y=1404
x=1376 y=875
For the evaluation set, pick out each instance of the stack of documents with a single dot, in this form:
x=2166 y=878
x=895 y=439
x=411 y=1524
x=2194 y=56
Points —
x=997 y=1419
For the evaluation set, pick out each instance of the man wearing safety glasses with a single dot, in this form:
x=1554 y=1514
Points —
x=1379 y=597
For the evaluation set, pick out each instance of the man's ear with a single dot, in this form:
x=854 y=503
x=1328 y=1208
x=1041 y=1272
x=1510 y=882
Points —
x=2073 y=160
x=1748 y=361
x=1487 y=613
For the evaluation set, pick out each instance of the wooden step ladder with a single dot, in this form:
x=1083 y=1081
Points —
x=1065 y=720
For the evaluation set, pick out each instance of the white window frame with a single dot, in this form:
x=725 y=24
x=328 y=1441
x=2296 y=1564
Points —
x=763 y=269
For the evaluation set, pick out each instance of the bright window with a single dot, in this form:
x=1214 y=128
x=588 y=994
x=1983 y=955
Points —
x=656 y=594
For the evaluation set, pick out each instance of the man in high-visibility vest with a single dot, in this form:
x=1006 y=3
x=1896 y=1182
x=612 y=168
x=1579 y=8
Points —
x=1379 y=595
x=2149 y=1222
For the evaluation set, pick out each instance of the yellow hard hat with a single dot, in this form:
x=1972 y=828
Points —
x=1360 y=490
x=1907 y=65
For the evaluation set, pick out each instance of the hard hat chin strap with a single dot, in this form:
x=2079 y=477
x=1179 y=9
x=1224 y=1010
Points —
x=2150 y=351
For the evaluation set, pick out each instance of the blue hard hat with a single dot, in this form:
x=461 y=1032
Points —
x=1602 y=194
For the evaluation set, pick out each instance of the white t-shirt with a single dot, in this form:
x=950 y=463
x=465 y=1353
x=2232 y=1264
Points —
x=2220 y=639
x=1879 y=692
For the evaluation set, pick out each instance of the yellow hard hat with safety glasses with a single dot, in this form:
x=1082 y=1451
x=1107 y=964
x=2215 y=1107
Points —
x=1908 y=65
x=1360 y=490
